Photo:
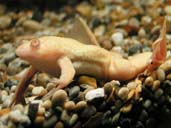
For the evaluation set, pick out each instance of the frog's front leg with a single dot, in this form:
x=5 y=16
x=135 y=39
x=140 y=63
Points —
x=21 y=88
x=67 y=75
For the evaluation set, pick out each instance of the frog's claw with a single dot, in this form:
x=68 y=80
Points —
x=159 y=49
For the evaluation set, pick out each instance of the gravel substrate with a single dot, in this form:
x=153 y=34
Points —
x=126 y=27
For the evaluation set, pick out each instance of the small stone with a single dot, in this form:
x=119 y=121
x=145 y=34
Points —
x=156 y=85
x=65 y=117
x=81 y=106
x=88 y=80
x=84 y=9
x=168 y=77
x=69 y=106
x=142 y=33
x=159 y=92
x=19 y=107
x=74 y=91
x=131 y=94
x=94 y=94
x=73 y=119
x=108 y=88
x=41 y=111
x=17 y=116
x=47 y=104
x=9 y=83
x=115 y=118
x=131 y=85
x=143 y=116
x=139 y=125
x=149 y=81
x=32 y=25
x=50 y=86
x=160 y=74
x=151 y=123
x=134 y=22
x=50 y=122
x=39 y=119
x=123 y=93
x=5 y=22
x=13 y=88
x=59 y=97
x=167 y=9
x=38 y=91
x=59 y=125
x=106 y=44
x=100 y=30
x=88 y=112
x=134 y=49
x=117 y=38
x=9 y=57
x=127 y=108
x=146 y=20
x=147 y=103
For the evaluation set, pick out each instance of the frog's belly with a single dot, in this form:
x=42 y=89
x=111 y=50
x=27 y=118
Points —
x=88 y=69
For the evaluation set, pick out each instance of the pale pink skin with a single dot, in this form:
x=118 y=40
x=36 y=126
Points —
x=65 y=57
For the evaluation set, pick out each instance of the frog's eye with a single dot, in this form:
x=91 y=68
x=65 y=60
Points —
x=35 y=43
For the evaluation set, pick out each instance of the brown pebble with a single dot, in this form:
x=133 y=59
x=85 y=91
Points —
x=88 y=80
x=80 y=105
x=59 y=97
x=59 y=125
x=41 y=111
x=156 y=85
x=168 y=77
x=123 y=93
x=127 y=108
x=108 y=88
x=84 y=9
x=70 y=105
x=131 y=94
x=47 y=104
x=50 y=86
x=39 y=119
x=149 y=81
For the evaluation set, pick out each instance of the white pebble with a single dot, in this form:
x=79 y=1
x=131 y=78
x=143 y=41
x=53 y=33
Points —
x=96 y=93
x=13 y=88
x=167 y=9
x=117 y=38
x=37 y=90
x=17 y=116
x=131 y=85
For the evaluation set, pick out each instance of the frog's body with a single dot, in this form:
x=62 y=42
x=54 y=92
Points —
x=64 y=57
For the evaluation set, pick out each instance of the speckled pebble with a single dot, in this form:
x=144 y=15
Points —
x=123 y=93
x=59 y=97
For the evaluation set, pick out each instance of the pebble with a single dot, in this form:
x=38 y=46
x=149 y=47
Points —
x=17 y=116
x=39 y=119
x=159 y=92
x=84 y=9
x=161 y=74
x=142 y=33
x=81 y=106
x=139 y=125
x=147 y=103
x=9 y=57
x=134 y=49
x=2 y=9
x=50 y=122
x=13 y=88
x=50 y=86
x=167 y=9
x=59 y=124
x=146 y=20
x=59 y=97
x=108 y=88
x=38 y=91
x=151 y=123
x=69 y=106
x=126 y=108
x=131 y=94
x=32 y=25
x=94 y=94
x=74 y=91
x=131 y=85
x=116 y=117
x=73 y=119
x=41 y=111
x=117 y=38
x=149 y=81
x=123 y=93
x=47 y=104
x=65 y=117
x=5 y=22
x=100 y=30
x=88 y=112
x=143 y=116
x=156 y=85
x=88 y=80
